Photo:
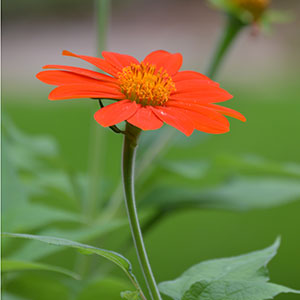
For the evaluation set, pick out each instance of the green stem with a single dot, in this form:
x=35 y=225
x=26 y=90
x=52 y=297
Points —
x=103 y=8
x=97 y=134
x=129 y=151
x=231 y=29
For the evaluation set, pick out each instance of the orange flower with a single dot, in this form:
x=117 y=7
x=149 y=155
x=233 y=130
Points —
x=147 y=94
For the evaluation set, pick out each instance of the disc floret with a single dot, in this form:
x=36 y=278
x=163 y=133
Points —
x=145 y=84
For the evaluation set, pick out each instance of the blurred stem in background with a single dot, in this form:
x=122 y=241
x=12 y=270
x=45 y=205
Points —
x=97 y=139
x=97 y=134
x=128 y=164
x=231 y=30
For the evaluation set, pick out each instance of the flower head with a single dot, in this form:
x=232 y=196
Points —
x=248 y=11
x=147 y=94
x=254 y=7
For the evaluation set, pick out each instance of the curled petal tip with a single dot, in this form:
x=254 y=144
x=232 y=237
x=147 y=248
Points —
x=67 y=53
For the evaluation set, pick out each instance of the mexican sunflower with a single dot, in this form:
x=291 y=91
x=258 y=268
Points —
x=146 y=94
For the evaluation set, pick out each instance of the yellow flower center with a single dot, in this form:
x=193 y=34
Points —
x=145 y=84
x=255 y=7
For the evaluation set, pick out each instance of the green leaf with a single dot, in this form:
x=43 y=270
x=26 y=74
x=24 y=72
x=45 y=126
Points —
x=41 y=145
x=15 y=265
x=189 y=169
x=13 y=191
x=242 y=277
x=252 y=163
x=130 y=295
x=114 y=257
x=32 y=250
x=31 y=216
x=239 y=194
x=234 y=290
x=27 y=177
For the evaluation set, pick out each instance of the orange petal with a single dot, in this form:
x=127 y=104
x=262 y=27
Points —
x=206 y=124
x=209 y=114
x=194 y=85
x=84 y=72
x=227 y=112
x=192 y=75
x=116 y=112
x=120 y=61
x=85 y=91
x=65 y=77
x=145 y=119
x=98 y=62
x=163 y=59
x=174 y=117
x=209 y=94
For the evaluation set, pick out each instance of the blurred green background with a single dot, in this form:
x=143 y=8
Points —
x=262 y=74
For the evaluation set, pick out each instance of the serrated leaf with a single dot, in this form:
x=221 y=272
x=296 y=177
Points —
x=234 y=290
x=17 y=265
x=235 y=278
x=114 y=257
x=238 y=194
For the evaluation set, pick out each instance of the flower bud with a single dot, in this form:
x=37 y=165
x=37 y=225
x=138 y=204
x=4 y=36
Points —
x=254 y=7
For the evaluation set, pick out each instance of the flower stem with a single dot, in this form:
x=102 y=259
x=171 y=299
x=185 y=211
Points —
x=129 y=150
x=231 y=29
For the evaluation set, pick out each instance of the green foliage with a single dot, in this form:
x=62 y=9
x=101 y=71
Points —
x=33 y=251
x=45 y=197
x=36 y=286
x=8 y=296
x=16 y=265
x=236 y=183
x=114 y=257
x=103 y=288
x=242 y=277
x=130 y=295
x=27 y=160
x=237 y=194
